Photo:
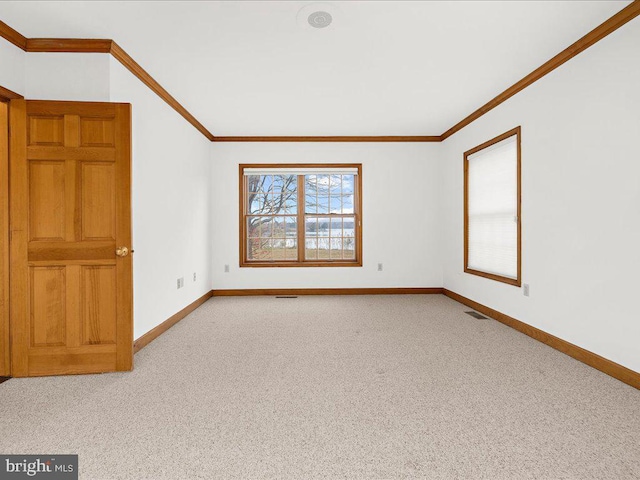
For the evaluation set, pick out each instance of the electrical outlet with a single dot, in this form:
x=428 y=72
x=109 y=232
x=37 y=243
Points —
x=194 y=276
x=181 y=282
x=226 y=269
x=379 y=267
x=525 y=289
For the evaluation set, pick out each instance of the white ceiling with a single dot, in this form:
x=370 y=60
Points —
x=381 y=68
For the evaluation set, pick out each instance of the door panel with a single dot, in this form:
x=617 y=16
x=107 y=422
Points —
x=71 y=295
x=98 y=286
x=98 y=201
x=47 y=130
x=47 y=200
x=97 y=132
x=48 y=301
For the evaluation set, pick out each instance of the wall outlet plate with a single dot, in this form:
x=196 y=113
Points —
x=379 y=267
x=226 y=269
x=180 y=282
x=525 y=289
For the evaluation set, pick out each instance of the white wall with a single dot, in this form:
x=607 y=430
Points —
x=401 y=184
x=580 y=201
x=54 y=76
x=67 y=76
x=12 y=66
x=171 y=205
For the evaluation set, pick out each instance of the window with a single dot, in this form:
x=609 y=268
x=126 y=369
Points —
x=300 y=215
x=492 y=209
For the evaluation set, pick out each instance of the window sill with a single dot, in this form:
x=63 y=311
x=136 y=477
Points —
x=300 y=264
x=516 y=282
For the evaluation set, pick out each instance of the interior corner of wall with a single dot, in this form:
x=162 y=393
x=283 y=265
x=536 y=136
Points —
x=14 y=76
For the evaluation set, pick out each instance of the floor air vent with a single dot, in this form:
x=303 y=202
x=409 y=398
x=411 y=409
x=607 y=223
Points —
x=476 y=315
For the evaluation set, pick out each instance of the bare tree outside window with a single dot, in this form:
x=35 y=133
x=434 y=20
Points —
x=272 y=221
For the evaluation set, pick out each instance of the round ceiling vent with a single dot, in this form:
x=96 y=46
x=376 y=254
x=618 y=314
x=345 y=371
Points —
x=320 y=19
x=317 y=16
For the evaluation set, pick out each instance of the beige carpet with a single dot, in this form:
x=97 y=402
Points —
x=334 y=387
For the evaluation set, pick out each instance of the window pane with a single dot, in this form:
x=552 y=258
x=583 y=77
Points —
x=349 y=245
x=291 y=227
x=277 y=252
x=336 y=227
x=322 y=185
x=347 y=184
x=323 y=204
x=278 y=227
x=311 y=203
x=268 y=207
x=280 y=203
x=266 y=183
x=278 y=183
x=256 y=226
x=347 y=204
x=323 y=249
x=335 y=182
x=253 y=183
x=266 y=226
x=291 y=203
x=256 y=203
x=311 y=227
x=311 y=249
x=291 y=249
x=336 y=204
x=310 y=184
x=335 y=245
x=323 y=227
x=259 y=249
x=349 y=227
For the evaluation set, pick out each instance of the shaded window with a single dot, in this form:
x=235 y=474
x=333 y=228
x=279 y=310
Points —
x=492 y=209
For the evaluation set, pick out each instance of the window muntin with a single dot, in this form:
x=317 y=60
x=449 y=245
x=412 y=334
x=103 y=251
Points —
x=492 y=209
x=300 y=216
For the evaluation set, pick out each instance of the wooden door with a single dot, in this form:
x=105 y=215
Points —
x=70 y=210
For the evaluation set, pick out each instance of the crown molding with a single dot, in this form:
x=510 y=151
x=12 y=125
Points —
x=13 y=36
x=90 y=45
x=74 y=45
x=610 y=25
x=69 y=45
x=388 y=138
x=134 y=67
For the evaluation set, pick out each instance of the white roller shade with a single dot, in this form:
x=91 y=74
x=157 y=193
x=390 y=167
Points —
x=493 y=209
x=301 y=171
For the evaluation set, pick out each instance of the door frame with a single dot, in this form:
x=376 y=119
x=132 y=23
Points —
x=6 y=96
x=5 y=343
